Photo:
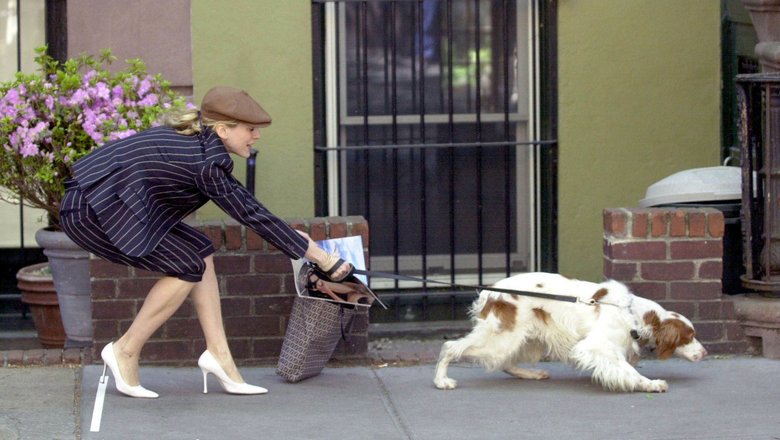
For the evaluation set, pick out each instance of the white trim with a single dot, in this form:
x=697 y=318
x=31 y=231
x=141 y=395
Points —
x=534 y=171
x=468 y=279
x=331 y=108
x=97 y=410
x=439 y=269
x=432 y=118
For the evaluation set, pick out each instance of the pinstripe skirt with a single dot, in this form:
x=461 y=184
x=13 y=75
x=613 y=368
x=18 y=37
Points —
x=180 y=253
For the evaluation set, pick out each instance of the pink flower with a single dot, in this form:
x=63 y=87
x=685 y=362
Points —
x=13 y=139
x=148 y=101
x=7 y=111
x=98 y=138
x=121 y=134
x=101 y=90
x=88 y=76
x=78 y=97
x=12 y=97
x=28 y=149
x=47 y=124
x=144 y=87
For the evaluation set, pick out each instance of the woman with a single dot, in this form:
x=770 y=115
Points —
x=127 y=200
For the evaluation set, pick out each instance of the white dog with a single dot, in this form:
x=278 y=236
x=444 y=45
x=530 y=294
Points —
x=602 y=332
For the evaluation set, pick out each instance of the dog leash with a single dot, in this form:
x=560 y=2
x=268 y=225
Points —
x=552 y=296
x=591 y=302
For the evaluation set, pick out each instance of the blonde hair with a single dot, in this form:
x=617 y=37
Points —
x=189 y=122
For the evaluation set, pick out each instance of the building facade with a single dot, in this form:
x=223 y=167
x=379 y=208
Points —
x=566 y=108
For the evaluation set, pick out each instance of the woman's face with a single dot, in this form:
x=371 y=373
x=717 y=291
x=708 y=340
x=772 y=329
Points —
x=239 y=139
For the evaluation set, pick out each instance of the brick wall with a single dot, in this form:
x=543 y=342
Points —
x=674 y=257
x=256 y=288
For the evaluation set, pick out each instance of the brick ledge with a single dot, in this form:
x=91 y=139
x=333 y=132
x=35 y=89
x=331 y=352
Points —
x=45 y=357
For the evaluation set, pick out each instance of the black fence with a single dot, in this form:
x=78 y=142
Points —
x=424 y=126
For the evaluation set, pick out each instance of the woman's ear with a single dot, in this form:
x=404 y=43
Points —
x=221 y=130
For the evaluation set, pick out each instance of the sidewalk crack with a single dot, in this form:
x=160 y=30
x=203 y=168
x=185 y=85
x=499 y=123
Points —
x=392 y=408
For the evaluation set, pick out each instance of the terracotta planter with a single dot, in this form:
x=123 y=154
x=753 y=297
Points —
x=39 y=294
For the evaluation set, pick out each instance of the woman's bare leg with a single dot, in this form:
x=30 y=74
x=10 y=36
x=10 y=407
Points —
x=205 y=298
x=165 y=297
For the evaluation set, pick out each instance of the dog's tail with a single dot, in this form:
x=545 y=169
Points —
x=476 y=307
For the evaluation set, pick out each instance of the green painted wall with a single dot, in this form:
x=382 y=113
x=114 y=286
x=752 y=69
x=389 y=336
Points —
x=264 y=47
x=639 y=99
x=639 y=90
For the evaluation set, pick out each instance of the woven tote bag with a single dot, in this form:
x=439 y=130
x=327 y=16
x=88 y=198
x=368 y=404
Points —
x=313 y=332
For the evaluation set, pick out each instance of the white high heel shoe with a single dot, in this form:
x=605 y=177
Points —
x=109 y=360
x=208 y=364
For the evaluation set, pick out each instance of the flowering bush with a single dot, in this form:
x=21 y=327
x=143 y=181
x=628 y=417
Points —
x=51 y=119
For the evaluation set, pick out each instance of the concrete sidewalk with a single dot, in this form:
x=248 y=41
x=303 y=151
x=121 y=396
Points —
x=39 y=402
x=727 y=398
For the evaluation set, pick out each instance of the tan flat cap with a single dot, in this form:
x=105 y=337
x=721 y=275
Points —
x=231 y=104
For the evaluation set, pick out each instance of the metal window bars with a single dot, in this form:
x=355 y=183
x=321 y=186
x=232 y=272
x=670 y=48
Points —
x=427 y=124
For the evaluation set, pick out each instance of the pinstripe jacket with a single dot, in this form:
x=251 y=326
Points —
x=143 y=185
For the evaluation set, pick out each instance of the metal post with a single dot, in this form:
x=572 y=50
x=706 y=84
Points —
x=19 y=69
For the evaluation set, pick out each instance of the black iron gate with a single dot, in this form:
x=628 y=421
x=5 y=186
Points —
x=435 y=120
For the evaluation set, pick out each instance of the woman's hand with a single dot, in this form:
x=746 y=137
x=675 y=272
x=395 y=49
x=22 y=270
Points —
x=326 y=261
x=330 y=263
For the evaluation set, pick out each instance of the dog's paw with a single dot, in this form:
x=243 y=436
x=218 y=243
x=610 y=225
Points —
x=527 y=373
x=656 y=386
x=538 y=374
x=445 y=383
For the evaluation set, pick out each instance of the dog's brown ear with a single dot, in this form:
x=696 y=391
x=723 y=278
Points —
x=666 y=341
x=651 y=318
x=671 y=334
